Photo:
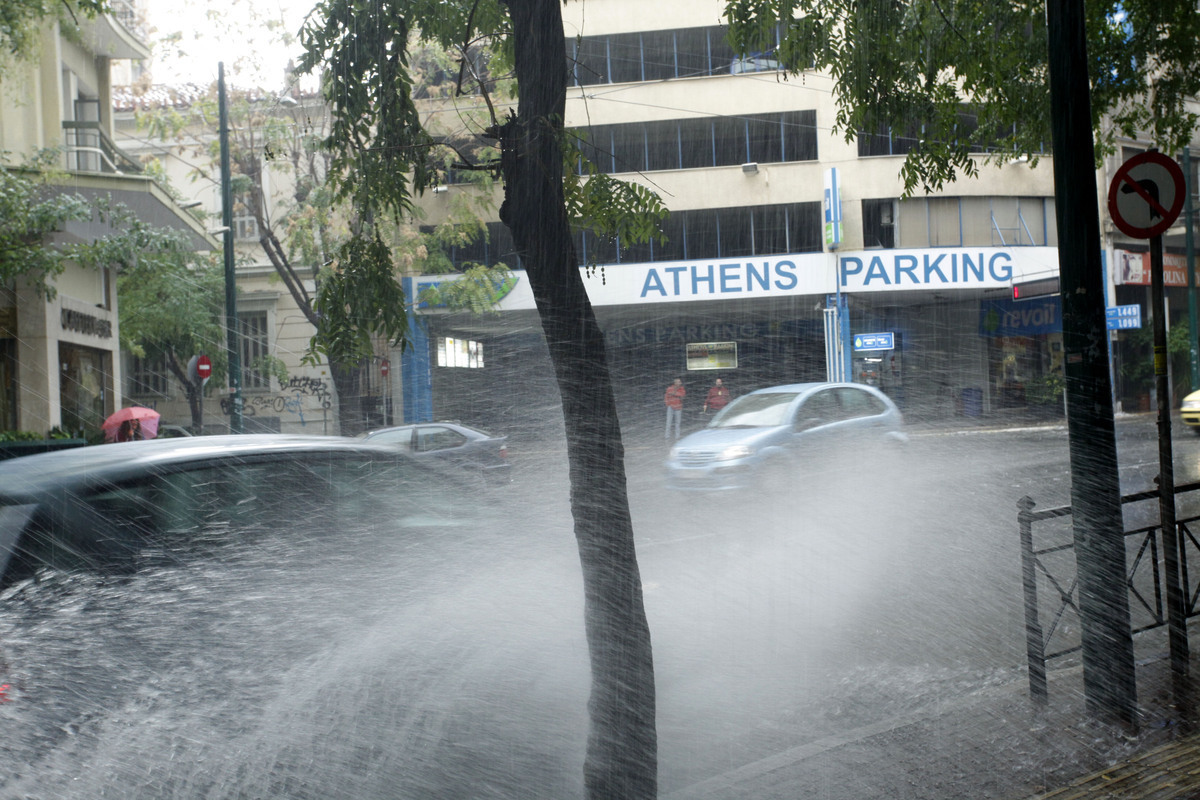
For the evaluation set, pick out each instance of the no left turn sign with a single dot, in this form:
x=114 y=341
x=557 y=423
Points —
x=1146 y=195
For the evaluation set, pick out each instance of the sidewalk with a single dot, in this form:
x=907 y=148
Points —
x=1169 y=771
x=991 y=744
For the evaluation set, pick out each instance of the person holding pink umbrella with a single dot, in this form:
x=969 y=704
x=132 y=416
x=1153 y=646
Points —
x=130 y=424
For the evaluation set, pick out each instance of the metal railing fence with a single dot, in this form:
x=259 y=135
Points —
x=1052 y=567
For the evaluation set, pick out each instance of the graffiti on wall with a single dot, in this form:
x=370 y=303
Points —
x=295 y=394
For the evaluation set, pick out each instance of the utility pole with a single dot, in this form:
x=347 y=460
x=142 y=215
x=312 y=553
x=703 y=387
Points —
x=1189 y=211
x=231 y=320
x=1107 y=642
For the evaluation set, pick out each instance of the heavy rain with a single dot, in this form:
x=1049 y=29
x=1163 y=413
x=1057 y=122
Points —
x=378 y=546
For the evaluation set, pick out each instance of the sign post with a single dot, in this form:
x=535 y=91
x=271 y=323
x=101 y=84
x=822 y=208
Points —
x=199 y=370
x=1145 y=197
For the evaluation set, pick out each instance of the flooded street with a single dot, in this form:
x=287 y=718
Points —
x=356 y=664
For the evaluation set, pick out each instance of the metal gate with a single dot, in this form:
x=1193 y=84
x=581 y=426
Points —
x=1049 y=571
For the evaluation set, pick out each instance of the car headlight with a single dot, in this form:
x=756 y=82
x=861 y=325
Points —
x=735 y=451
x=1191 y=405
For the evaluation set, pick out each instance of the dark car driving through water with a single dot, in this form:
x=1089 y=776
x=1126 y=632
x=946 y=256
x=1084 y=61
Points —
x=773 y=437
x=207 y=593
x=118 y=506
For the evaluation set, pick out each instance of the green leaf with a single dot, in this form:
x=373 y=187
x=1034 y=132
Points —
x=359 y=300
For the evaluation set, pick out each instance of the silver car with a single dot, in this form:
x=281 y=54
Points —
x=770 y=437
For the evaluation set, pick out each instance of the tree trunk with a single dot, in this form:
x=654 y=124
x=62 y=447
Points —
x=348 y=385
x=622 y=758
x=191 y=390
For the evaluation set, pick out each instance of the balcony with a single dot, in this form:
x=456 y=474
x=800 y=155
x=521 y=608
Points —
x=127 y=13
x=118 y=34
x=89 y=149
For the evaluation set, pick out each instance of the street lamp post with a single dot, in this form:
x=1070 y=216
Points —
x=231 y=320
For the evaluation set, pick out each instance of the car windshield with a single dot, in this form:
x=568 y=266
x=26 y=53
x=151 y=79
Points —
x=755 y=411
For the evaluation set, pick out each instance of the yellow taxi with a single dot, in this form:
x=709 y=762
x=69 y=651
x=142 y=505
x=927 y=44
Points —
x=1190 y=410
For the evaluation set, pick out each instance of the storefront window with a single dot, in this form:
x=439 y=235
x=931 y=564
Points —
x=83 y=382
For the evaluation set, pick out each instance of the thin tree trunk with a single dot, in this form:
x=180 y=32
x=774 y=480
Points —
x=622 y=759
x=347 y=383
x=191 y=391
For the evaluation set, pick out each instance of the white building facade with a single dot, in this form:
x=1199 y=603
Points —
x=749 y=165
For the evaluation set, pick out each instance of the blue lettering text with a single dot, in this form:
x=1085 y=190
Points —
x=653 y=284
x=847 y=271
x=906 y=265
x=729 y=277
x=753 y=276
x=934 y=265
x=786 y=275
x=876 y=270
x=1000 y=272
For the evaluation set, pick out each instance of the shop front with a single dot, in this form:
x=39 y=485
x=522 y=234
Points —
x=952 y=345
x=84 y=384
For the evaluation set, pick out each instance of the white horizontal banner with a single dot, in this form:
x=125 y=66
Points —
x=801 y=274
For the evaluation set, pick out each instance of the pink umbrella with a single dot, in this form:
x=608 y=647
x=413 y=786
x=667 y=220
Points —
x=146 y=424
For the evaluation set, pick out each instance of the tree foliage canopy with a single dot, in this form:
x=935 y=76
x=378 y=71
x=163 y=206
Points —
x=914 y=66
x=172 y=299
x=386 y=152
x=20 y=20
x=29 y=212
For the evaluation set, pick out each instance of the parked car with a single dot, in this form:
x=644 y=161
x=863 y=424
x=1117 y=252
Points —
x=774 y=436
x=173 y=432
x=112 y=507
x=1189 y=409
x=450 y=443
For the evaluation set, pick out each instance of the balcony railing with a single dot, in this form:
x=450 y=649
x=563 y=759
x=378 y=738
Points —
x=126 y=13
x=88 y=149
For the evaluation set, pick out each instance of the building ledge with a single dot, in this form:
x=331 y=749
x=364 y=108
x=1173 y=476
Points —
x=108 y=38
x=148 y=201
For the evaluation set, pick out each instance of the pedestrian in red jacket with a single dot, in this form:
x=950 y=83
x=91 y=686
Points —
x=673 y=399
x=718 y=397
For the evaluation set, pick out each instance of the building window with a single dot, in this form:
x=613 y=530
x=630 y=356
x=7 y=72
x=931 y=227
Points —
x=969 y=222
x=661 y=55
x=255 y=347
x=149 y=376
x=245 y=226
x=705 y=142
x=734 y=232
x=879 y=223
x=465 y=353
x=885 y=141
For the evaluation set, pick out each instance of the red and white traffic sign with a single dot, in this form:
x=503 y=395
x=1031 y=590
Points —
x=1146 y=195
x=385 y=366
x=204 y=368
